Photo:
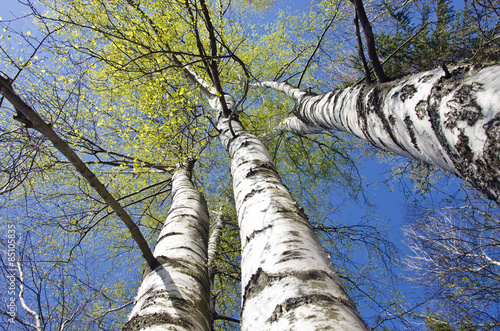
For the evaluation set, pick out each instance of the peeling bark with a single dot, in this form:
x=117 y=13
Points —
x=452 y=123
x=175 y=295
x=288 y=281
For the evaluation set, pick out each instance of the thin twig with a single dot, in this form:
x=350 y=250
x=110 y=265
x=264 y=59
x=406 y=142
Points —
x=317 y=47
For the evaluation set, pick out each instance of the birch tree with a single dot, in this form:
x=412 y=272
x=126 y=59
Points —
x=446 y=119
x=287 y=279
x=286 y=276
x=176 y=294
x=455 y=256
x=56 y=253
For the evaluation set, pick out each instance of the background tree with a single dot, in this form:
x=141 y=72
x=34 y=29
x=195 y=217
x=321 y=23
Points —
x=454 y=255
x=176 y=294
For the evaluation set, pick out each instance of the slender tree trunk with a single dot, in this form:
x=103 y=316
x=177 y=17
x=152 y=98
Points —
x=38 y=321
x=370 y=40
x=212 y=267
x=212 y=242
x=361 y=52
x=453 y=123
x=288 y=282
x=175 y=295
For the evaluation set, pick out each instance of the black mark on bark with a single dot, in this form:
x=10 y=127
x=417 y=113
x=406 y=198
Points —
x=411 y=132
x=421 y=109
x=406 y=92
x=464 y=106
x=392 y=119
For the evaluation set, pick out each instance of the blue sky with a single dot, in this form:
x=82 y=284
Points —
x=13 y=9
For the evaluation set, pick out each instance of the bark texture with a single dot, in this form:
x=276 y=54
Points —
x=453 y=123
x=175 y=295
x=288 y=282
x=211 y=264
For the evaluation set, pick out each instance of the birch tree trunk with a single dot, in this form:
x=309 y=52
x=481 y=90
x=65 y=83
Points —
x=451 y=122
x=288 y=282
x=211 y=265
x=175 y=296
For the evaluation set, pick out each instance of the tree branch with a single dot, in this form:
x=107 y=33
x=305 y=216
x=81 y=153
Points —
x=361 y=53
x=45 y=129
x=316 y=48
x=370 y=41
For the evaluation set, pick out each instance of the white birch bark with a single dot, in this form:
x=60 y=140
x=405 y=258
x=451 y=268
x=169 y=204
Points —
x=36 y=316
x=453 y=123
x=212 y=242
x=288 y=282
x=212 y=267
x=175 y=296
x=297 y=126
